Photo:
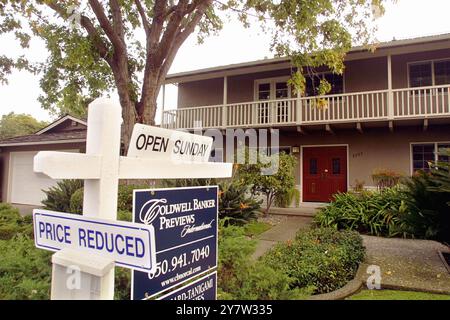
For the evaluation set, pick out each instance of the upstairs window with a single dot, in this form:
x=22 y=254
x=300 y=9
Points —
x=430 y=73
x=335 y=80
x=442 y=72
x=420 y=75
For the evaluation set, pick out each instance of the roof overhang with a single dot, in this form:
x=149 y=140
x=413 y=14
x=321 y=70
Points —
x=32 y=143
x=395 y=47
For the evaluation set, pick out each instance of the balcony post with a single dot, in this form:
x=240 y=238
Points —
x=225 y=101
x=299 y=112
x=390 y=105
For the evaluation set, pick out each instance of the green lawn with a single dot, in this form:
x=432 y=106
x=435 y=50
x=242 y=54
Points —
x=397 y=295
x=255 y=228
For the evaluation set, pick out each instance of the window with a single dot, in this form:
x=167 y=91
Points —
x=313 y=166
x=429 y=73
x=336 y=166
x=264 y=91
x=424 y=154
x=442 y=72
x=335 y=80
x=272 y=89
x=420 y=75
x=441 y=148
x=281 y=90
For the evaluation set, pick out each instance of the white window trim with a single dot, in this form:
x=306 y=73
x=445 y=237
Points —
x=411 y=160
x=432 y=61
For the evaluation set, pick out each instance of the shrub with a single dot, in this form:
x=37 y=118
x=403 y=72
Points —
x=265 y=182
x=25 y=271
x=125 y=196
x=323 y=259
x=236 y=204
x=378 y=213
x=12 y=223
x=239 y=277
x=428 y=211
x=384 y=178
x=58 y=197
x=284 y=200
x=76 y=201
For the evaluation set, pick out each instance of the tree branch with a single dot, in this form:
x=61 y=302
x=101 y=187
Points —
x=105 y=24
x=141 y=11
x=117 y=19
x=87 y=24
x=182 y=36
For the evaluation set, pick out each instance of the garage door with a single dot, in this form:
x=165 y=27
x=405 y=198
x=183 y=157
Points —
x=25 y=185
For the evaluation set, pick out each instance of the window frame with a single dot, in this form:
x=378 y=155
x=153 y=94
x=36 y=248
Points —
x=272 y=81
x=433 y=75
x=411 y=158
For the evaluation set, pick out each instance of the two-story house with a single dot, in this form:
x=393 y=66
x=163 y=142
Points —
x=389 y=110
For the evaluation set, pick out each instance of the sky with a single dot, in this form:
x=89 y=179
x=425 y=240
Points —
x=234 y=44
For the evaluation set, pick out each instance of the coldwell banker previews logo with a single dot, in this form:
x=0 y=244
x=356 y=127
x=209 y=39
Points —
x=158 y=208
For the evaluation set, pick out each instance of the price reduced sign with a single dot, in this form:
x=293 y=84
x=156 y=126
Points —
x=185 y=224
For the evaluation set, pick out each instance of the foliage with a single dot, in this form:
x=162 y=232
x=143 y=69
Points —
x=25 y=271
x=377 y=213
x=96 y=45
x=271 y=176
x=236 y=203
x=241 y=278
x=359 y=185
x=324 y=259
x=12 y=223
x=427 y=199
x=59 y=196
x=125 y=196
x=284 y=200
x=384 y=178
x=13 y=125
x=76 y=201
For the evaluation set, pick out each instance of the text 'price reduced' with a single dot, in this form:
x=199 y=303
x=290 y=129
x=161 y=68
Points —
x=185 y=224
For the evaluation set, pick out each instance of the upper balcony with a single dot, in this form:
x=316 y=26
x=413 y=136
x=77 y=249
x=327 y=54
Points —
x=403 y=82
x=370 y=106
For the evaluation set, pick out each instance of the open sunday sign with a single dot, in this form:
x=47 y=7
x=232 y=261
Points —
x=129 y=245
x=160 y=143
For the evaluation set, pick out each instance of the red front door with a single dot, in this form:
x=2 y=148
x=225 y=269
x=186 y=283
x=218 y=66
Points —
x=324 y=173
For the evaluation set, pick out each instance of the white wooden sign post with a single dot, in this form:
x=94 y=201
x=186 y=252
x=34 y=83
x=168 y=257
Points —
x=101 y=167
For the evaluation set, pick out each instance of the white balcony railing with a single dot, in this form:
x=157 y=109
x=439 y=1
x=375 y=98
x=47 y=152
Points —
x=352 y=107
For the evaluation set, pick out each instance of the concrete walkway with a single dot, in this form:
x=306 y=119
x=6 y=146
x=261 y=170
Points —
x=407 y=264
x=283 y=231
